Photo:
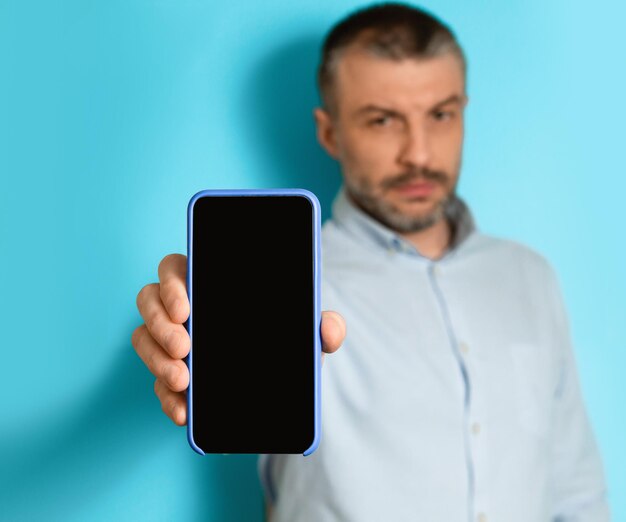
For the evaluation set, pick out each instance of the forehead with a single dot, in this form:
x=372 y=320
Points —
x=363 y=79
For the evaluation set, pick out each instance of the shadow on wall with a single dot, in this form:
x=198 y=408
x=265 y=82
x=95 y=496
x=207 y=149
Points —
x=68 y=466
x=278 y=100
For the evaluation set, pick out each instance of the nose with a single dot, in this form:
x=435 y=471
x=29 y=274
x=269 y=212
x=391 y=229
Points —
x=415 y=149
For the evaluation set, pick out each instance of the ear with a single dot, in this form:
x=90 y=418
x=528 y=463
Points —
x=326 y=134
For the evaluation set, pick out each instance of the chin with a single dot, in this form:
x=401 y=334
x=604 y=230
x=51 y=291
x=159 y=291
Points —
x=419 y=207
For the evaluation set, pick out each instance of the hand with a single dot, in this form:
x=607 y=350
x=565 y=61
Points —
x=163 y=342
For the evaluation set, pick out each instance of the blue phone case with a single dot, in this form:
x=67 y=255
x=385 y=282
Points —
x=317 y=345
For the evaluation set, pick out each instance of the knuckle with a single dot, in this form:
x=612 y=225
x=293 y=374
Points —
x=157 y=367
x=166 y=290
x=142 y=295
x=171 y=342
x=175 y=377
x=172 y=404
x=152 y=363
x=134 y=337
x=175 y=301
x=169 y=258
x=155 y=322
x=162 y=369
x=177 y=344
x=170 y=292
x=163 y=262
x=166 y=259
x=160 y=390
x=138 y=336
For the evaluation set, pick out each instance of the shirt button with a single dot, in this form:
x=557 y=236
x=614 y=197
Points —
x=476 y=428
x=481 y=517
x=463 y=347
x=436 y=270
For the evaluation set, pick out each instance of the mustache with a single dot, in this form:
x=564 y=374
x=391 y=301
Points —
x=414 y=175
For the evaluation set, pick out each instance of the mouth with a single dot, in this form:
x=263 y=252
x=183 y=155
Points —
x=421 y=189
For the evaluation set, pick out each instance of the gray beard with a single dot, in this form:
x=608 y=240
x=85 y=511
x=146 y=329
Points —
x=389 y=216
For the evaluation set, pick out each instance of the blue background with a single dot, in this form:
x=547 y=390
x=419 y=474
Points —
x=113 y=113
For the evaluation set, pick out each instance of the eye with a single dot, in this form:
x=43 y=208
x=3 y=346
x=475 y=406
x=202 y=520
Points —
x=384 y=120
x=443 y=115
x=380 y=121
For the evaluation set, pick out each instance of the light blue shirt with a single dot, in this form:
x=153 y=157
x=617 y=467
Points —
x=455 y=395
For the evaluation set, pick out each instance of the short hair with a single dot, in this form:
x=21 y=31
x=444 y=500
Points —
x=389 y=30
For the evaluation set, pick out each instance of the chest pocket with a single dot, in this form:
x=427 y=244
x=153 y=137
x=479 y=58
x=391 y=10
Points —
x=534 y=386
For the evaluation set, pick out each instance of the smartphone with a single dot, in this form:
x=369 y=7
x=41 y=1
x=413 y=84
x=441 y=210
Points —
x=253 y=281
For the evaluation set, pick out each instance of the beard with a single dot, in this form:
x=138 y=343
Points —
x=366 y=197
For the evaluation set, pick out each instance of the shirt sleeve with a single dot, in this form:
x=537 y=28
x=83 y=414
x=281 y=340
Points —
x=578 y=476
x=264 y=473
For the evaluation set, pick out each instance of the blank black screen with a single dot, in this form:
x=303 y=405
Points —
x=253 y=325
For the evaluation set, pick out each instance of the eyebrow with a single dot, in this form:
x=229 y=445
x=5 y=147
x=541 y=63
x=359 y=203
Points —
x=454 y=98
x=375 y=108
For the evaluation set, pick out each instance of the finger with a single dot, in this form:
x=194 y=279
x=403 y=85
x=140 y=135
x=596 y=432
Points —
x=172 y=276
x=333 y=331
x=173 y=404
x=173 y=372
x=173 y=337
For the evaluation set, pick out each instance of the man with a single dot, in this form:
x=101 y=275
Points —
x=455 y=397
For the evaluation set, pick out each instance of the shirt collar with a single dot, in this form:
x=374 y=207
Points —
x=356 y=221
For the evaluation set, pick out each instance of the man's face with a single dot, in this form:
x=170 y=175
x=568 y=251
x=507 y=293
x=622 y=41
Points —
x=398 y=134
